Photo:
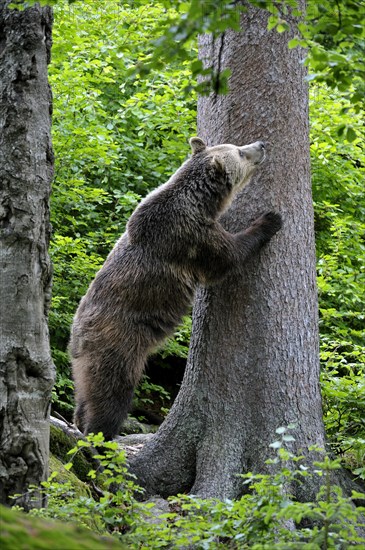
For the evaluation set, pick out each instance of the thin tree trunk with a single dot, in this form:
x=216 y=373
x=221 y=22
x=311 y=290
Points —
x=253 y=363
x=26 y=165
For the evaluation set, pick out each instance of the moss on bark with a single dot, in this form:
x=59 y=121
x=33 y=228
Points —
x=24 y=532
x=61 y=443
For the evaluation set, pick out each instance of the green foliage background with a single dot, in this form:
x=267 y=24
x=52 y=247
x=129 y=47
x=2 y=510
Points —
x=119 y=132
x=338 y=174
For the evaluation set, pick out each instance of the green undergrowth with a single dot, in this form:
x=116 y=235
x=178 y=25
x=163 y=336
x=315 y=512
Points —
x=267 y=517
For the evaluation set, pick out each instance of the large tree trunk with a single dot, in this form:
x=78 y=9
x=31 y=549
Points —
x=26 y=164
x=253 y=363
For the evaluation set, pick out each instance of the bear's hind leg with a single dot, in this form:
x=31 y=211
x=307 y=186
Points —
x=109 y=390
x=80 y=375
x=80 y=415
x=107 y=413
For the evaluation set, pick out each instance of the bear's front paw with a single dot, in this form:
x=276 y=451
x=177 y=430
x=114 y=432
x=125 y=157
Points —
x=269 y=224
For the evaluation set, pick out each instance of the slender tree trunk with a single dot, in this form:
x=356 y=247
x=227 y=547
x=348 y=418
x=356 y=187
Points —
x=253 y=363
x=26 y=164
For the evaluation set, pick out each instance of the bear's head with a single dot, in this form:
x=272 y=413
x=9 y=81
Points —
x=238 y=163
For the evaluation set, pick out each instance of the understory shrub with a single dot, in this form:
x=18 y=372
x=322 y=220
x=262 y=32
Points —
x=266 y=517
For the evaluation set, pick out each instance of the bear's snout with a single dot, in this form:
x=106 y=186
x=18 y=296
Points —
x=256 y=152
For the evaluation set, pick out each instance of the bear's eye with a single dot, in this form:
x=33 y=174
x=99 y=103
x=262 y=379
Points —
x=242 y=153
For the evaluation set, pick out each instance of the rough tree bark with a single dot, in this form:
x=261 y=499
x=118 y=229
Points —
x=26 y=165
x=253 y=363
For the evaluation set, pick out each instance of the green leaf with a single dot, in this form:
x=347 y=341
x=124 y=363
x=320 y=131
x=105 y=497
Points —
x=272 y=22
x=351 y=134
x=288 y=437
x=276 y=445
x=293 y=43
x=280 y=430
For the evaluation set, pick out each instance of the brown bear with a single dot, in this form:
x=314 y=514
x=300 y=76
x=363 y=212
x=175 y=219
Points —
x=173 y=243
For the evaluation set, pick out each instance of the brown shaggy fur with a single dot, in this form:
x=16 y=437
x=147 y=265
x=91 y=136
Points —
x=173 y=242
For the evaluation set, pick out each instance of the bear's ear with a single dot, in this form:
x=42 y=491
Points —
x=218 y=164
x=197 y=145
